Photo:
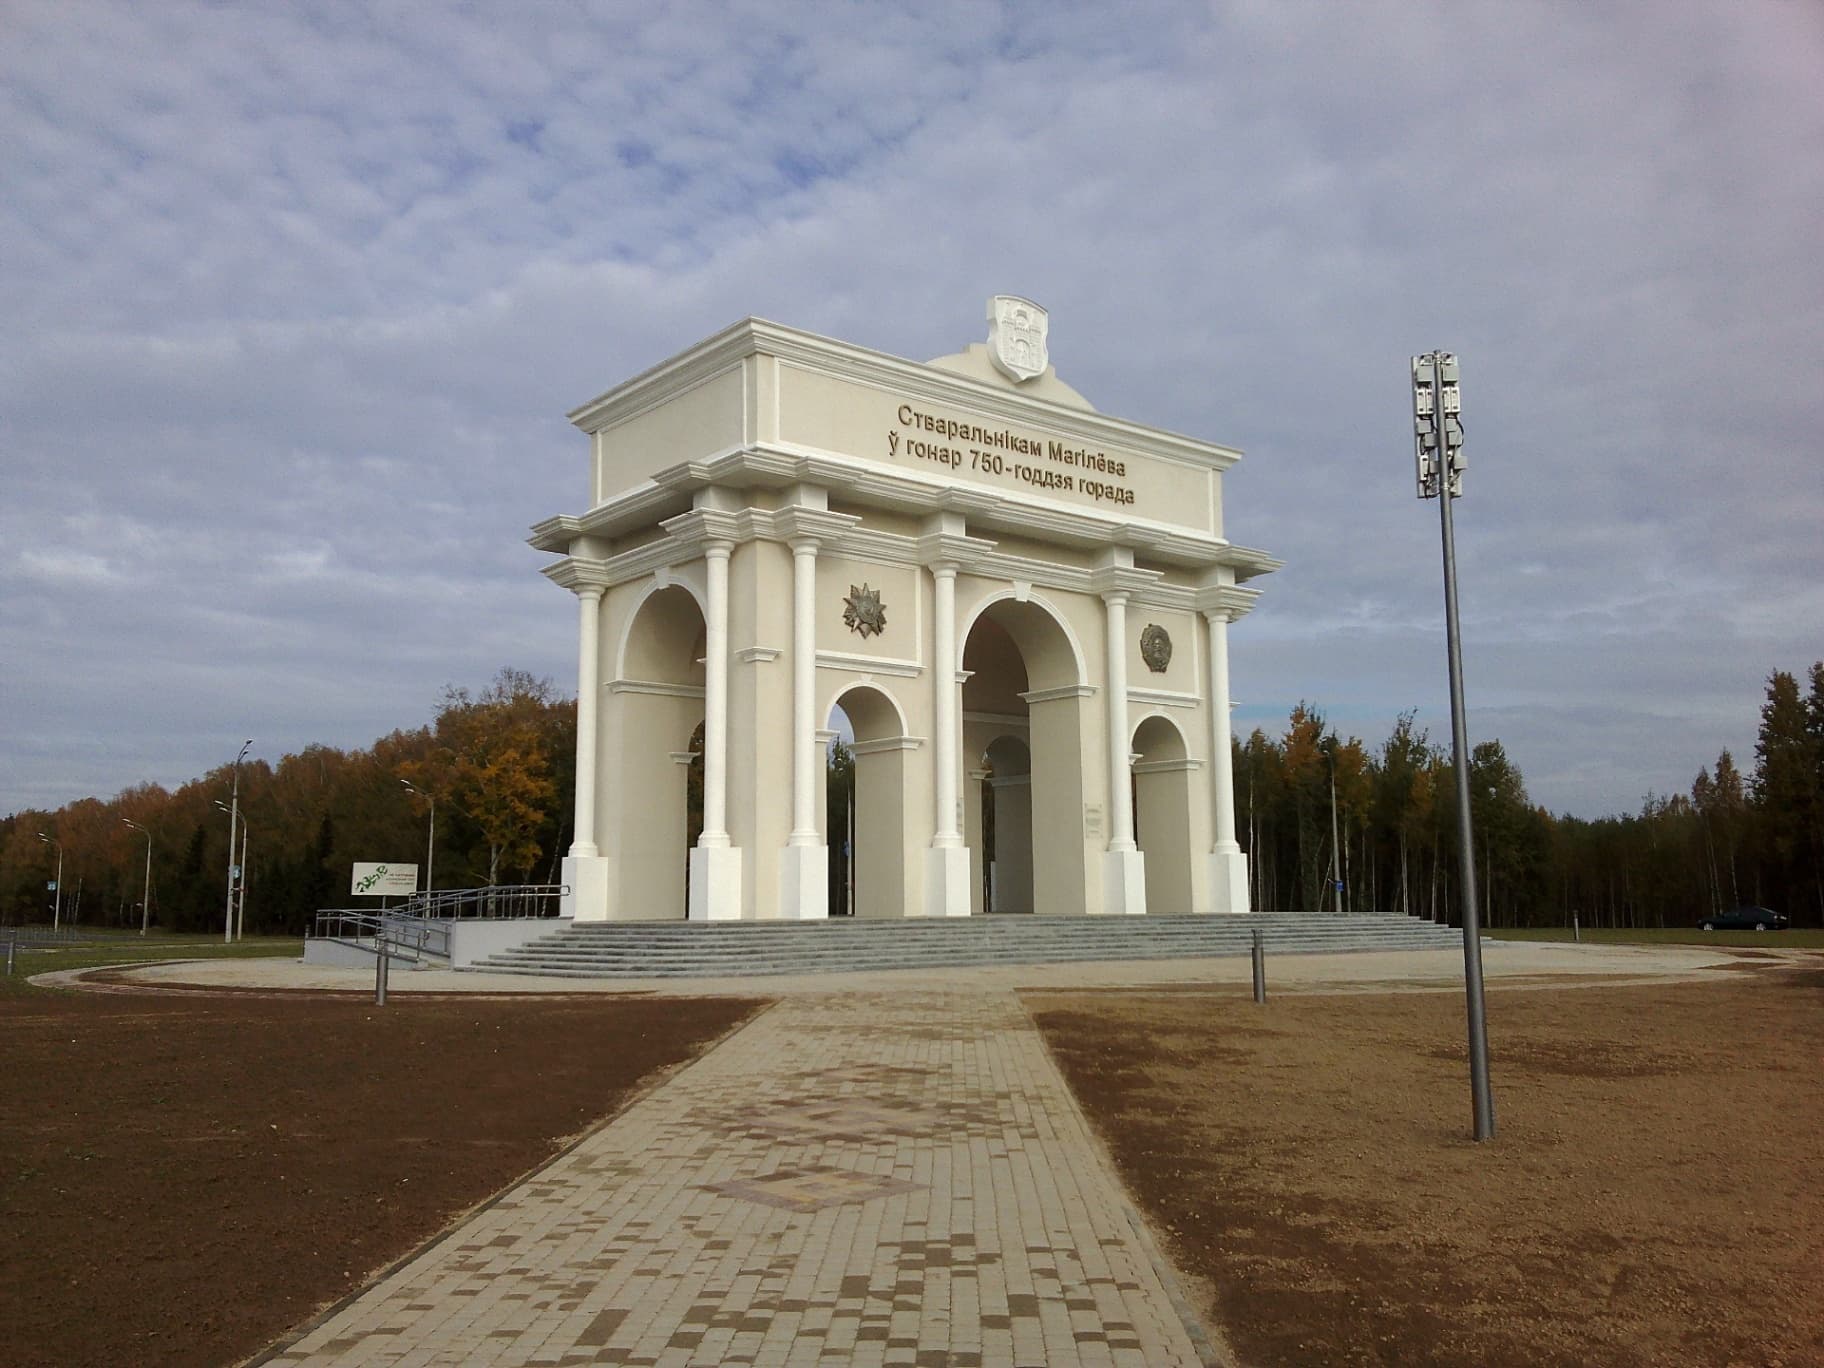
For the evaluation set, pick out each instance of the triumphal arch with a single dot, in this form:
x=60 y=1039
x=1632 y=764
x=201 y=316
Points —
x=1019 y=605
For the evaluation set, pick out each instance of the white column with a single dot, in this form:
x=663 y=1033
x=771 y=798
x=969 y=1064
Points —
x=1120 y=776
x=715 y=864
x=804 y=864
x=587 y=885
x=1228 y=865
x=804 y=700
x=947 y=862
x=1124 y=867
x=715 y=700
x=588 y=703
x=943 y=678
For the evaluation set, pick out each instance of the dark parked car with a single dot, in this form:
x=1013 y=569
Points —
x=1746 y=919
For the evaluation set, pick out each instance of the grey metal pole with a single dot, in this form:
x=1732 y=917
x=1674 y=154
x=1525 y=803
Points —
x=57 y=892
x=1576 y=930
x=12 y=950
x=234 y=817
x=380 y=966
x=1260 y=967
x=1482 y=1099
x=1336 y=867
x=145 y=896
x=240 y=908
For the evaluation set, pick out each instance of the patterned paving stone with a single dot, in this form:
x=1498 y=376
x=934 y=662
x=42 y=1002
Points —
x=864 y=1177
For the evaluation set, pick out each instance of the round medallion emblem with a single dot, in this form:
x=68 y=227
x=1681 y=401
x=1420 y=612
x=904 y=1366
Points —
x=1156 y=647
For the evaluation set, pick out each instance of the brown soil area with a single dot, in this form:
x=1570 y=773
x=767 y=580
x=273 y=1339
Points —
x=1654 y=1193
x=182 y=1178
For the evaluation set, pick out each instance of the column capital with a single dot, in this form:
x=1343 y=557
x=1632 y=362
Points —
x=952 y=549
x=589 y=593
x=796 y=523
x=1229 y=600
x=1125 y=580
x=703 y=528
x=576 y=574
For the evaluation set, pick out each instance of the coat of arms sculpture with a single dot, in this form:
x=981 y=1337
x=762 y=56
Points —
x=1016 y=337
x=1156 y=647
x=863 y=612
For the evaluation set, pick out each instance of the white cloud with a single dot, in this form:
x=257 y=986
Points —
x=297 y=298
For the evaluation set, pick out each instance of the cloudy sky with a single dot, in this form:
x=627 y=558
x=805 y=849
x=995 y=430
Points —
x=295 y=298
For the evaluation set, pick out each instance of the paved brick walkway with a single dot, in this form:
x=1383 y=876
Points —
x=855 y=1178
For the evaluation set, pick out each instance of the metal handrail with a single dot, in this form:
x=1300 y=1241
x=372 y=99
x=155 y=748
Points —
x=405 y=936
x=420 y=926
x=499 y=902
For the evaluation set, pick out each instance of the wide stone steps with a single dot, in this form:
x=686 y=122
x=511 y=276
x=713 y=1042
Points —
x=678 y=949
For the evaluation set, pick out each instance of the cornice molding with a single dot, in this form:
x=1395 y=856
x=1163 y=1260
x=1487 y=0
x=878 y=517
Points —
x=1062 y=691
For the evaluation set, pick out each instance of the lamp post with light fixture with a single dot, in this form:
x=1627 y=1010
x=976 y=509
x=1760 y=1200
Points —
x=1437 y=407
x=430 y=844
x=145 y=896
x=234 y=817
x=57 y=904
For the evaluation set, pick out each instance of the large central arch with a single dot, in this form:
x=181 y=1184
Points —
x=1023 y=731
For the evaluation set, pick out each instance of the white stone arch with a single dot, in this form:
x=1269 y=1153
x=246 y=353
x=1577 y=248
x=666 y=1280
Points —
x=851 y=683
x=1048 y=704
x=658 y=584
x=1007 y=794
x=1165 y=819
x=654 y=704
x=966 y=624
x=885 y=798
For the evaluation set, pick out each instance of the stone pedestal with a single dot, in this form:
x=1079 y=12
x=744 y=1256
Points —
x=804 y=883
x=947 y=881
x=1124 y=883
x=586 y=888
x=715 y=883
x=1228 y=881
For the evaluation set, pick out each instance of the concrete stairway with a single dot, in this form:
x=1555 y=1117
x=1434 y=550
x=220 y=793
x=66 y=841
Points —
x=678 y=949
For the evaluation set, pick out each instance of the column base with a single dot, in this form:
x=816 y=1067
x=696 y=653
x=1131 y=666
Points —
x=1228 y=881
x=804 y=883
x=715 y=883
x=947 y=881
x=586 y=888
x=1124 y=883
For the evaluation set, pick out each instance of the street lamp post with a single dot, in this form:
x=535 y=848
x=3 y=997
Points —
x=240 y=901
x=234 y=816
x=57 y=904
x=430 y=844
x=1336 y=858
x=145 y=896
x=1437 y=406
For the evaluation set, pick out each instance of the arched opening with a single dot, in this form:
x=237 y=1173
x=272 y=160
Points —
x=1006 y=844
x=1162 y=813
x=1024 y=727
x=868 y=835
x=654 y=752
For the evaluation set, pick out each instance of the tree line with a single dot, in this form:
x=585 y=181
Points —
x=1734 y=838
x=500 y=764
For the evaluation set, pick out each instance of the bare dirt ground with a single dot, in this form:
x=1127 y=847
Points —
x=1654 y=1194
x=184 y=1177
